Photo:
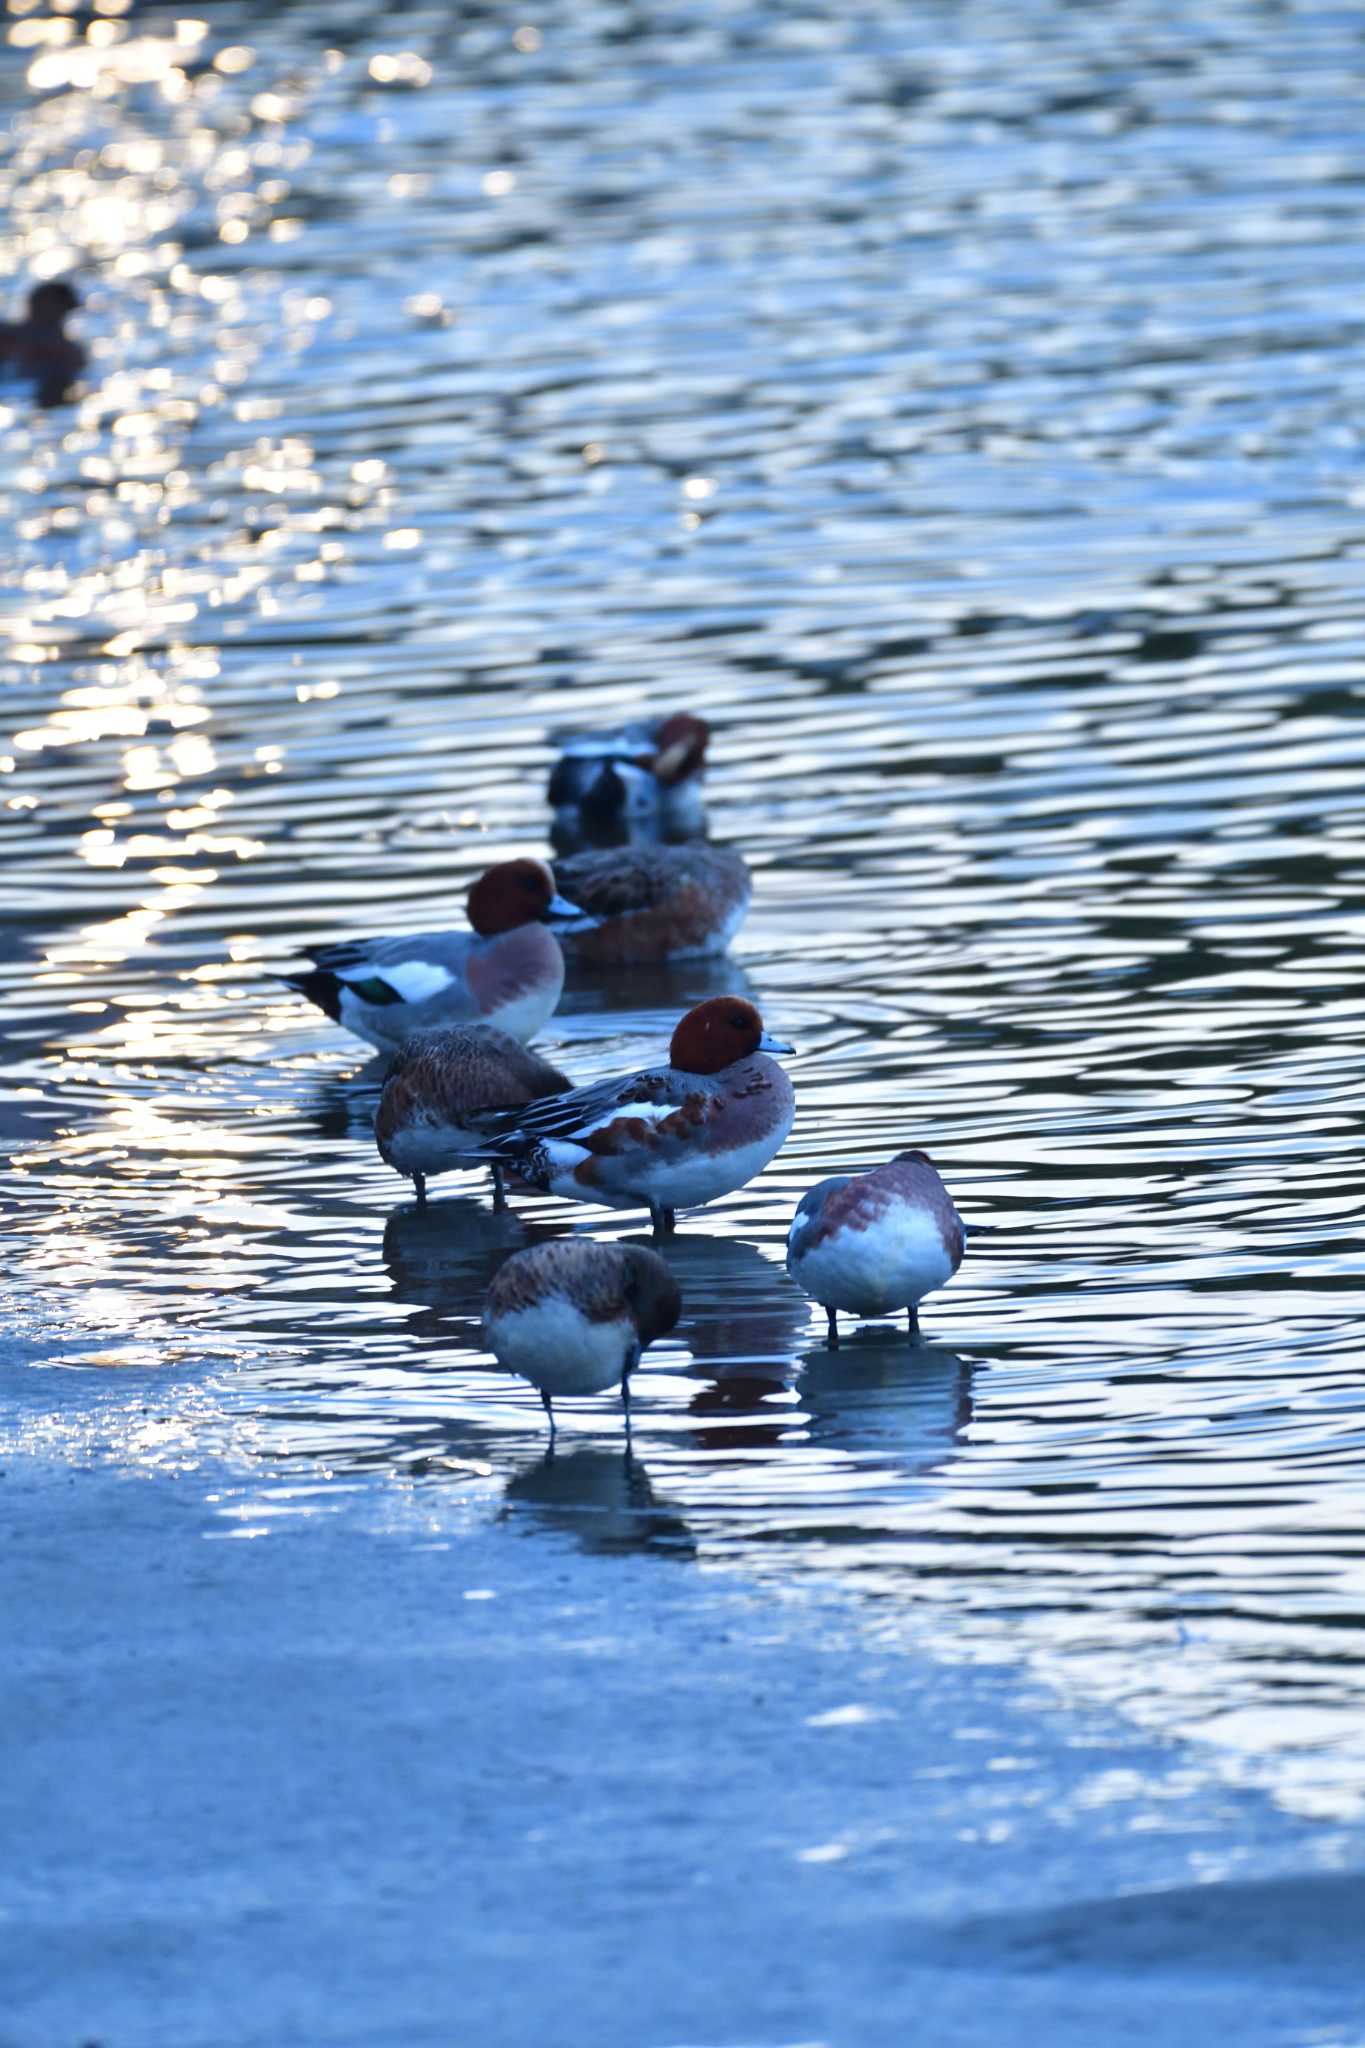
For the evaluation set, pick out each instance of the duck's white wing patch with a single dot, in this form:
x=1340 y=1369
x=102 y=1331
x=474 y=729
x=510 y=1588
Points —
x=412 y=981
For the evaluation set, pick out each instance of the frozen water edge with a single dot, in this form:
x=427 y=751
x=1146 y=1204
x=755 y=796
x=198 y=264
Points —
x=384 y=1781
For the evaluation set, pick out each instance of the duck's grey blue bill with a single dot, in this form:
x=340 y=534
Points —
x=767 y=1043
x=568 y=916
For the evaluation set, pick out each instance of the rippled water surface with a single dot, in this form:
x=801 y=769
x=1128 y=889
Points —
x=963 y=406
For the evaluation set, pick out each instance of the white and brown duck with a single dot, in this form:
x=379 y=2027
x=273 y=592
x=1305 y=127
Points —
x=873 y=1243
x=440 y=1083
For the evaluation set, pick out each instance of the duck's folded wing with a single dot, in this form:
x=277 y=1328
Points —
x=405 y=969
x=580 y=1115
x=614 y=883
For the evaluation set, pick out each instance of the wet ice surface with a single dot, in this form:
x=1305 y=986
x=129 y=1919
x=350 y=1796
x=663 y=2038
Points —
x=963 y=411
x=424 y=1780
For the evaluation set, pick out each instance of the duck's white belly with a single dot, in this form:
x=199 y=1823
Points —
x=892 y=1264
x=673 y=1184
x=560 y=1350
x=389 y=1025
x=523 y=1016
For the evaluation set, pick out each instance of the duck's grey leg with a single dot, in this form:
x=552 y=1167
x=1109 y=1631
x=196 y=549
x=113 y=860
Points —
x=499 y=1190
x=545 y=1403
x=632 y=1360
x=664 y=1221
x=912 y=1322
x=419 y=1181
x=833 y=1315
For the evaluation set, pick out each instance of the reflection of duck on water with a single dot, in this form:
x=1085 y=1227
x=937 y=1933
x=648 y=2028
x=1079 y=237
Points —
x=908 y=1406
x=745 y=1328
x=441 y=1257
x=343 y=1105
x=656 y=989
x=745 y=1319
x=602 y=1498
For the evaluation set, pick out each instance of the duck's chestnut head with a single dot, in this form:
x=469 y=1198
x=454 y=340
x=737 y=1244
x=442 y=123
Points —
x=518 y=892
x=717 y=1033
x=679 y=748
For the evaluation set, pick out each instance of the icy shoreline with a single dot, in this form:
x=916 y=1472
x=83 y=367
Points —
x=467 y=1778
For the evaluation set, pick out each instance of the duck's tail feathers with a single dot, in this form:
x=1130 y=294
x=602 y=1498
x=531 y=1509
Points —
x=508 y=1147
x=321 y=987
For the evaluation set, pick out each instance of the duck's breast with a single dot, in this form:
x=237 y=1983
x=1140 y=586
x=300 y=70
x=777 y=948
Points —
x=516 y=979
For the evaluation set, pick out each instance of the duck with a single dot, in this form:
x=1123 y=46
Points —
x=507 y=970
x=437 y=1081
x=656 y=903
x=871 y=1243
x=641 y=781
x=39 y=347
x=572 y=1316
x=670 y=1138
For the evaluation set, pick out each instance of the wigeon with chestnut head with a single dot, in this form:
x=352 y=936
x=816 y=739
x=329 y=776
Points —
x=872 y=1243
x=640 y=782
x=442 y=1079
x=654 y=903
x=505 y=970
x=674 y=1137
x=573 y=1316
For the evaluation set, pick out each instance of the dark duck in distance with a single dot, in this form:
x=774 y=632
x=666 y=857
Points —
x=39 y=347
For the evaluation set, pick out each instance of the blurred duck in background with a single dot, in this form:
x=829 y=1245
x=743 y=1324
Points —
x=38 y=346
x=638 y=783
x=439 y=1081
x=506 y=970
x=872 y=1243
x=655 y=903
